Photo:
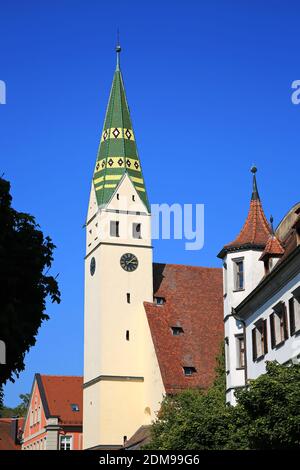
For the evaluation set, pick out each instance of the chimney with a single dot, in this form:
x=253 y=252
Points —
x=14 y=429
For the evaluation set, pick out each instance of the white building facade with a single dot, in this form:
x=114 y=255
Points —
x=272 y=311
x=261 y=279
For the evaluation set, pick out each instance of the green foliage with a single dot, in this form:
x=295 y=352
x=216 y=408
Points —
x=267 y=415
x=269 y=410
x=194 y=419
x=20 y=410
x=25 y=255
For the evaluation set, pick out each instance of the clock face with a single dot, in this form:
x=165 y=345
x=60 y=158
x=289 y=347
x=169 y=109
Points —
x=129 y=262
x=93 y=266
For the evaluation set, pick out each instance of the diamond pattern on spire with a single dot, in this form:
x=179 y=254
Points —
x=117 y=148
x=128 y=134
x=116 y=132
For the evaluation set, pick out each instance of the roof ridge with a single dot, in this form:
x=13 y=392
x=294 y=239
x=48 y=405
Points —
x=188 y=265
x=61 y=375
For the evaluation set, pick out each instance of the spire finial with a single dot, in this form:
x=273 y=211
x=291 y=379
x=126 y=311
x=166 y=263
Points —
x=255 y=195
x=271 y=223
x=118 y=50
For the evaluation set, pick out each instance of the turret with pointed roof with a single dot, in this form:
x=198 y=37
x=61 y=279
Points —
x=256 y=229
x=117 y=153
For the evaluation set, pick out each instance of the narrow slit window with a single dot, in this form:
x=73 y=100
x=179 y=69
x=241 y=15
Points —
x=128 y=297
x=127 y=335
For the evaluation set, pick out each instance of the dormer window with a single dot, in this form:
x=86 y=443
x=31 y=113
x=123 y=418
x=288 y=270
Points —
x=177 y=330
x=74 y=407
x=189 y=371
x=159 y=300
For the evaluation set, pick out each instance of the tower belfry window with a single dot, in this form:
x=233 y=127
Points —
x=136 y=231
x=114 y=228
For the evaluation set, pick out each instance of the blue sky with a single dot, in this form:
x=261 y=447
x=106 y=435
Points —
x=209 y=87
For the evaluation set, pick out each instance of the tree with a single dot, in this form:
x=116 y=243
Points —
x=268 y=411
x=20 y=410
x=25 y=259
x=194 y=419
x=267 y=415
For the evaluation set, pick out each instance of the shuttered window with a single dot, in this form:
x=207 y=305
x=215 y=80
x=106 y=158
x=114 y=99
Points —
x=259 y=340
x=279 y=325
x=294 y=315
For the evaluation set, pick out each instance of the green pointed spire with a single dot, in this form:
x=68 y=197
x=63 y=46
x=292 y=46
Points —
x=117 y=153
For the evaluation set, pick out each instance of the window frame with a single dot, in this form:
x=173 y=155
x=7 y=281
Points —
x=294 y=311
x=259 y=344
x=192 y=370
x=137 y=235
x=237 y=273
x=240 y=351
x=114 y=233
x=179 y=330
x=65 y=436
x=279 y=325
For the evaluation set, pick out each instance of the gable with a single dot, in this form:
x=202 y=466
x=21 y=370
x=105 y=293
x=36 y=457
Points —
x=126 y=197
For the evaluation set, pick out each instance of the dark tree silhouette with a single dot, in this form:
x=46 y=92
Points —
x=25 y=259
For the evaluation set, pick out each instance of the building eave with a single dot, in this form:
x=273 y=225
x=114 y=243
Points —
x=242 y=247
x=243 y=309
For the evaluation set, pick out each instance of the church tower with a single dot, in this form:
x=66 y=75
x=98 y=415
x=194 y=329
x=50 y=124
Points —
x=242 y=271
x=122 y=382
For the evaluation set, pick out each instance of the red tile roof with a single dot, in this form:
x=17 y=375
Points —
x=256 y=229
x=193 y=301
x=6 y=440
x=273 y=248
x=60 y=392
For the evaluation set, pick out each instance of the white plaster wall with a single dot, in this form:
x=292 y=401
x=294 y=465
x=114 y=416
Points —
x=253 y=273
x=289 y=349
x=115 y=408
